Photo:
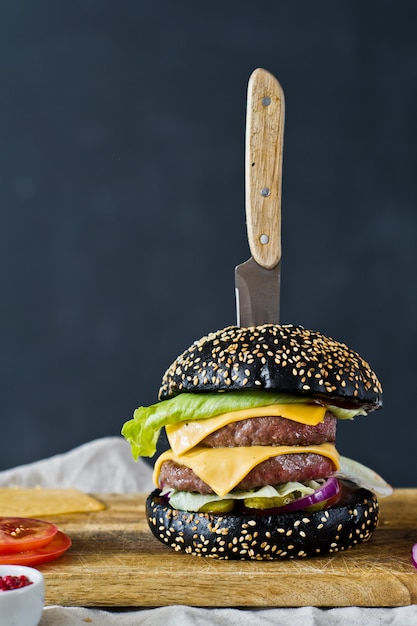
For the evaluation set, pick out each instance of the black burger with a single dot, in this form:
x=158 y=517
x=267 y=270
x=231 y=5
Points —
x=252 y=471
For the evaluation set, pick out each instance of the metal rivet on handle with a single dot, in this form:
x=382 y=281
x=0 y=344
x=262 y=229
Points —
x=264 y=239
x=265 y=191
x=266 y=101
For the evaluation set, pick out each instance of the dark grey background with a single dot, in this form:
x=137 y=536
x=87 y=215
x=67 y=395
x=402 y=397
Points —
x=122 y=201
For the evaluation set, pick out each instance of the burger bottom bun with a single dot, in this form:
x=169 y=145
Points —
x=266 y=537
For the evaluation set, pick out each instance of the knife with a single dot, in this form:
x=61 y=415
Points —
x=257 y=281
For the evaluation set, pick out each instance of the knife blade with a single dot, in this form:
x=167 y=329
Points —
x=257 y=281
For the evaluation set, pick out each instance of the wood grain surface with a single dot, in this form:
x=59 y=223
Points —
x=116 y=562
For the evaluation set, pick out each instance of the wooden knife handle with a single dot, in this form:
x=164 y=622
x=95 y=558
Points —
x=263 y=167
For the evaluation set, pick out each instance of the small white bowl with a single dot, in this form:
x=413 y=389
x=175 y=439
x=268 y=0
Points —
x=22 y=606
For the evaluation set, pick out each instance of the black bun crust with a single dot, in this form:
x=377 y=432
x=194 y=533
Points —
x=265 y=537
x=284 y=358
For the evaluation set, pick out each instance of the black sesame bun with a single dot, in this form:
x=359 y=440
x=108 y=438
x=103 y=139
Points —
x=266 y=537
x=287 y=358
x=283 y=359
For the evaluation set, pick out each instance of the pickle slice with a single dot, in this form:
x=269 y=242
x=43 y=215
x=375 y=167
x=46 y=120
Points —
x=267 y=503
x=217 y=506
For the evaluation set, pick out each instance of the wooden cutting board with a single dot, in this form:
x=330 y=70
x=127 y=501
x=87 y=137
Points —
x=116 y=562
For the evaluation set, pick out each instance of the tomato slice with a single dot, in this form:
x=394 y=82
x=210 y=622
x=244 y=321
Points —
x=55 y=548
x=18 y=534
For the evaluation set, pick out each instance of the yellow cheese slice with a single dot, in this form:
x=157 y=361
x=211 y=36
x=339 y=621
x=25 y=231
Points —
x=224 y=468
x=186 y=435
x=43 y=502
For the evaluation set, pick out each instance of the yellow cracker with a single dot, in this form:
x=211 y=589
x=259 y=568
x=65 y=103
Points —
x=40 y=502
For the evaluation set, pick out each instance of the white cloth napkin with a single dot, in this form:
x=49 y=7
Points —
x=106 y=465
x=192 y=616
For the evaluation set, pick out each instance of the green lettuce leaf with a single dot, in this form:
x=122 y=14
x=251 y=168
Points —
x=364 y=476
x=143 y=430
x=345 y=414
x=193 y=501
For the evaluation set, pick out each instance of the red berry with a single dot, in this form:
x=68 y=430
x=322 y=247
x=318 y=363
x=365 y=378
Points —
x=8 y=582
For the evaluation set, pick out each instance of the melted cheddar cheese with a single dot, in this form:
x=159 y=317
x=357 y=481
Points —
x=224 y=468
x=186 y=435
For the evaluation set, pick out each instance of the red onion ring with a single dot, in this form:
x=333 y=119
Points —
x=414 y=555
x=330 y=489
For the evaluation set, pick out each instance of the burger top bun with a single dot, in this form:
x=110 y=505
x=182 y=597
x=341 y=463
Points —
x=282 y=358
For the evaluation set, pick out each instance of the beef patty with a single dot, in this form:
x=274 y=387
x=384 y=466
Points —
x=274 y=471
x=267 y=431
x=272 y=431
